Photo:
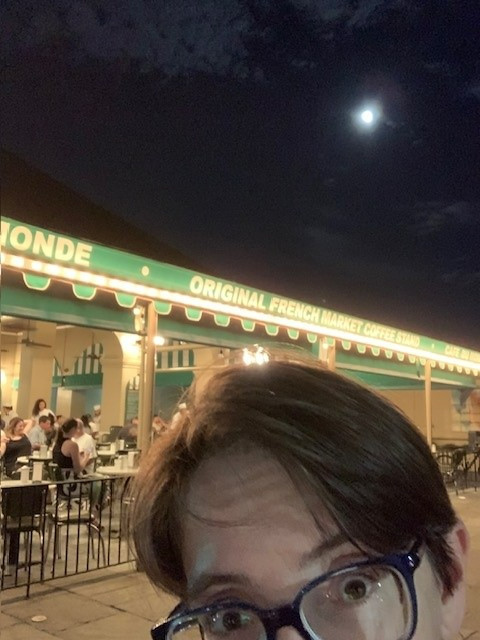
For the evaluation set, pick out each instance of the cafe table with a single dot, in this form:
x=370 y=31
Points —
x=119 y=472
x=6 y=484
x=121 y=478
x=32 y=458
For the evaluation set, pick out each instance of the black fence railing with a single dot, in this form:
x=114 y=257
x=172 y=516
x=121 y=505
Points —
x=57 y=529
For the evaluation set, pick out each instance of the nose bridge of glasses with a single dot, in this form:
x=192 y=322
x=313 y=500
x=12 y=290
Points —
x=284 y=624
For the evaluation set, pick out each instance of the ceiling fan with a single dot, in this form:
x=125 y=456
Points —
x=92 y=355
x=28 y=342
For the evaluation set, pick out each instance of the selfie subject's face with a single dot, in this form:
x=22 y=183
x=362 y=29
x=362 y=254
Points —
x=260 y=537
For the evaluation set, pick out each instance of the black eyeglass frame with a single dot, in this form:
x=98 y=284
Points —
x=289 y=615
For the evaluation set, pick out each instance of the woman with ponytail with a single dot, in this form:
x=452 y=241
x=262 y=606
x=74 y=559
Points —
x=66 y=453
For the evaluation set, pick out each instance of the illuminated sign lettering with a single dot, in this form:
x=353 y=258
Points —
x=45 y=245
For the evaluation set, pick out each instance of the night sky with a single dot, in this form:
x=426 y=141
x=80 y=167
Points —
x=228 y=129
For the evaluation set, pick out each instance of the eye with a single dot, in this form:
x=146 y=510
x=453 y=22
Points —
x=357 y=587
x=224 y=622
x=354 y=589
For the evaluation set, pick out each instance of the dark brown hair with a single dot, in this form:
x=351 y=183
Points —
x=360 y=455
x=66 y=427
x=36 y=407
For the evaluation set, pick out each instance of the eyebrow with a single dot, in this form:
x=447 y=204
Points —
x=320 y=549
x=241 y=580
x=218 y=579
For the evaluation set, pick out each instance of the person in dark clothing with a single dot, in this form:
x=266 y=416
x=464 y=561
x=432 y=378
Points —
x=128 y=433
x=66 y=453
x=17 y=445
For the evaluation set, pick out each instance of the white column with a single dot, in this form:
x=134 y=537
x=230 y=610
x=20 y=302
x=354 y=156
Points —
x=428 y=401
x=117 y=372
x=147 y=379
x=36 y=369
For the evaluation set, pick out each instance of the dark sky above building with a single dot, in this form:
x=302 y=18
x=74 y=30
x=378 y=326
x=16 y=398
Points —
x=228 y=128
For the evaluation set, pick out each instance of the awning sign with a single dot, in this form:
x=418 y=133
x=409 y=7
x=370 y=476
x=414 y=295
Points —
x=169 y=284
x=44 y=244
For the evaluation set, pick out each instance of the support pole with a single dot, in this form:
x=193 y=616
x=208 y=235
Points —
x=428 y=401
x=326 y=353
x=331 y=357
x=147 y=379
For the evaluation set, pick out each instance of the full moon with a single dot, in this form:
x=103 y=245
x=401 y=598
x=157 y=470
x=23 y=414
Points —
x=367 y=116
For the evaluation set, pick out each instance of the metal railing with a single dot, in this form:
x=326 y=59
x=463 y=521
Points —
x=58 y=529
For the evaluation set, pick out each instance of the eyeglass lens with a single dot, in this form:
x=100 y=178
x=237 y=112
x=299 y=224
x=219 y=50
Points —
x=364 y=603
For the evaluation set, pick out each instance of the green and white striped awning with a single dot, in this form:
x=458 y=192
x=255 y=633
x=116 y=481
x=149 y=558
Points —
x=43 y=257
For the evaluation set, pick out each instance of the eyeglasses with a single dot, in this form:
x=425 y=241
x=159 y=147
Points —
x=370 y=600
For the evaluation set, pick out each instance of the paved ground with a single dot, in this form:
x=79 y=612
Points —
x=468 y=508
x=117 y=603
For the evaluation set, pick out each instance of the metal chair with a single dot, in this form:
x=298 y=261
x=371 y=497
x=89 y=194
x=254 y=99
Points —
x=72 y=506
x=448 y=465
x=23 y=510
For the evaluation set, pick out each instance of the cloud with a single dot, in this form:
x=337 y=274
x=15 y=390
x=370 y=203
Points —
x=355 y=14
x=174 y=36
x=475 y=90
x=461 y=277
x=435 y=216
x=177 y=37
x=348 y=250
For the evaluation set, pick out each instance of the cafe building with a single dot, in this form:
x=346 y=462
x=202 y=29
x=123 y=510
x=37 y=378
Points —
x=95 y=317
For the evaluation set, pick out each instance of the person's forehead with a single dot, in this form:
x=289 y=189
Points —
x=223 y=486
x=244 y=516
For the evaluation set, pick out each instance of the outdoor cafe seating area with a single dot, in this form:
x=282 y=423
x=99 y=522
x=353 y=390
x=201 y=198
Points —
x=460 y=465
x=54 y=524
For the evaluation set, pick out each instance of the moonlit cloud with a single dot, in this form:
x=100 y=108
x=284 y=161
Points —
x=176 y=37
x=432 y=217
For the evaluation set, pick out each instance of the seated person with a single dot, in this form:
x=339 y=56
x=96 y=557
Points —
x=3 y=442
x=42 y=433
x=66 y=453
x=179 y=415
x=86 y=445
x=129 y=432
x=91 y=427
x=159 y=426
x=17 y=445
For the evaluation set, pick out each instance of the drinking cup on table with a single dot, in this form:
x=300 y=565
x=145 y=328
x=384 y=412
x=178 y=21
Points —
x=121 y=445
x=37 y=474
x=36 y=454
x=24 y=474
x=43 y=450
x=131 y=459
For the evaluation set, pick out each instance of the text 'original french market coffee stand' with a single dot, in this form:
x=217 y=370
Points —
x=59 y=279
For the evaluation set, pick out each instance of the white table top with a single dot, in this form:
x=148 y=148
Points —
x=25 y=459
x=115 y=471
x=5 y=484
x=106 y=454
